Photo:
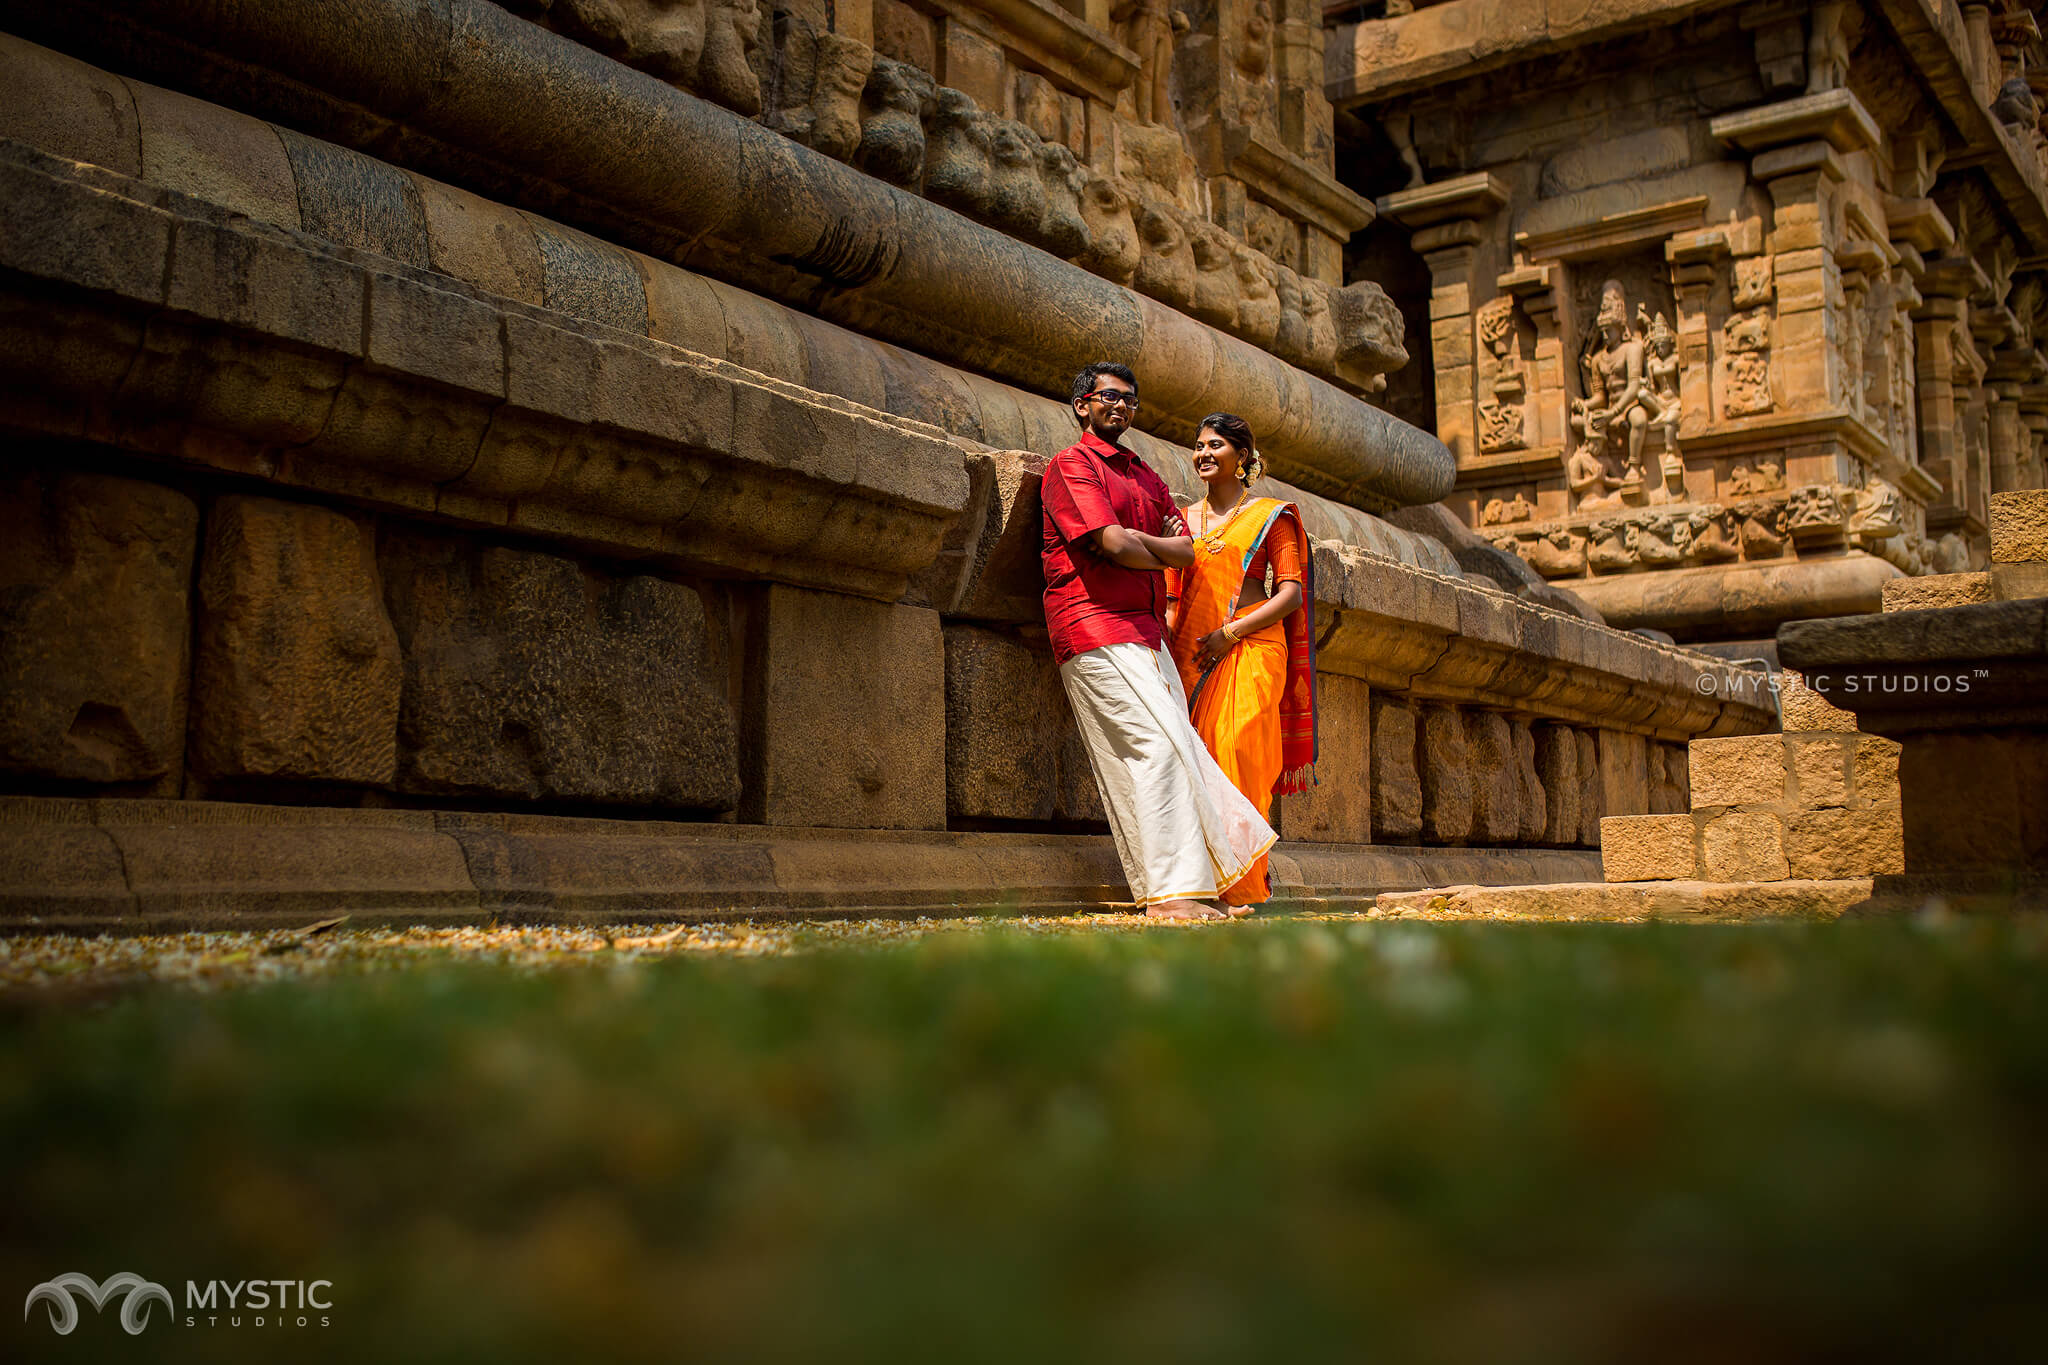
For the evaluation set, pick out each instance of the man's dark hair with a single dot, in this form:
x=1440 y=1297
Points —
x=1084 y=382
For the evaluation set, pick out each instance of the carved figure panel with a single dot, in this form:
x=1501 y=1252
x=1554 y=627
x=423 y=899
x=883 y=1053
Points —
x=1149 y=28
x=1813 y=509
x=1503 y=376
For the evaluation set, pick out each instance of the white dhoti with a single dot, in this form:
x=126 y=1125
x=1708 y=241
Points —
x=1182 y=830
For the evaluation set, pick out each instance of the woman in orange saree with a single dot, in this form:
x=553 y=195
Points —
x=1246 y=652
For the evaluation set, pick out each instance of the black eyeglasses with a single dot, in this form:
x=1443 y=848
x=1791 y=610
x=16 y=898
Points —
x=1115 y=398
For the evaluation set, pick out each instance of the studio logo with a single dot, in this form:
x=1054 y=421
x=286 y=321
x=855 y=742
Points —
x=57 y=1294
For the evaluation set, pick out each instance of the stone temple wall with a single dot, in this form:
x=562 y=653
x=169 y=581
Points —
x=451 y=471
x=1819 y=231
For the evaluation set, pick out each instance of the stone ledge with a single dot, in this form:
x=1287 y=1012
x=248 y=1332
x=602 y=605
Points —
x=159 y=324
x=1697 y=901
x=152 y=866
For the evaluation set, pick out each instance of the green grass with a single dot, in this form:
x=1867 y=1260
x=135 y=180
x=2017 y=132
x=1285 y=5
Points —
x=1284 y=1140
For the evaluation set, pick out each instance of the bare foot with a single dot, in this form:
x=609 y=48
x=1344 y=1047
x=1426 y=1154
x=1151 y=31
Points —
x=1238 y=911
x=1182 y=910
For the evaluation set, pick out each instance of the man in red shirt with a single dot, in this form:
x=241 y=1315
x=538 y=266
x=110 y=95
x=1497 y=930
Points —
x=1183 y=831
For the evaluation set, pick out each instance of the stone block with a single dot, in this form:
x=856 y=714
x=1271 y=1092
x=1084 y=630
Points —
x=1646 y=848
x=1825 y=844
x=1820 y=770
x=1802 y=708
x=1338 y=808
x=589 y=279
x=1396 y=781
x=1592 y=796
x=1936 y=590
x=1737 y=770
x=1673 y=792
x=360 y=202
x=1012 y=752
x=1624 y=773
x=2017 y=582
x=2019 y=526
x=1874 y=772
x=47 y=100
x=297 y=673
x=1446 y=776
x=846 y=712
x=1496 y=808
x=1973 y=801
x=481 y=242
x=974 y=64
x=1557 y=765
x=1743 y=846
x=215 y=154
x=95 y=575
x=534 y=677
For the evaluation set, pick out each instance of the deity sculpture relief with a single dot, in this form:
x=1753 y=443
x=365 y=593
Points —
x=1813 y=508
x=1616 y=393
x=1746 y=482
x=1499 y=513
x=725 y=74
x=1148 y=28
x=1113 y=247
x=892 y=130
x=1503 y=376
x=1252 y=57
x=1745 y=361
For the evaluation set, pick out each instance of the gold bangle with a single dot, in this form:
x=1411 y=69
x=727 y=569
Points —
x=1230 y=632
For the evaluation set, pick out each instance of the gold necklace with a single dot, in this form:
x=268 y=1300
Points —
x=1211 y=537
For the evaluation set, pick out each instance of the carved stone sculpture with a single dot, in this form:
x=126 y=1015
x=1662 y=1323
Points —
x=1498 y=512
x=1216 y=289
x=1290 y=338
x=1587 y=478
x=1830 y=39
x=1062 y=229
x=1016 y=192
x=1660 y=367
x=1113 y=247
x=664 y=38
x=1715 y=535
x=1951 y=554
x=1148 y=28
x=892 y=132
x=1659 y=541
x=725 y=74
x=1558 y=553
x=1369 y=327
x=956 y=158
x=1618 y=360
x=1763 y=528
x=1813 y=509
x=1878 y=513
x=1745 y=359
x=1166 y=267
x=1320 y=323
x=1503 y=376
x=1745 y=482
x=1258 y=301
x=1608 y=550
x=843 y=66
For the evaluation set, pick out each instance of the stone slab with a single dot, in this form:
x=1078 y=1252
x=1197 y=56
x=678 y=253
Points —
x=1844 y=843
x=1643 y=848
x=2019 y=526
x=1700 y=901
x=1737 y=770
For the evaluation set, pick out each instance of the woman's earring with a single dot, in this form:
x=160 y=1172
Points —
x=1244 y=472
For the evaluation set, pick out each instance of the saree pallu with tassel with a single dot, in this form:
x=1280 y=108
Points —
x=1256 y=708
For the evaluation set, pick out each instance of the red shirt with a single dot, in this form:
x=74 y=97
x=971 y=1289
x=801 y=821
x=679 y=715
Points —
x=1090 y=602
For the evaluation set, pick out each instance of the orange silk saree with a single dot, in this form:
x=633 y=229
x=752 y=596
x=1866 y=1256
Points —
x=1256 y=708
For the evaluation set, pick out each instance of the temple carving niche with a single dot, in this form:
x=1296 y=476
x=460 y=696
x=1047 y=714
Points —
x=1784 y=315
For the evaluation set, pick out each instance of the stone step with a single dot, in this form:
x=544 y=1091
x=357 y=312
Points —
x=1703 y=901
x=1802 y=771
x=1753 y=845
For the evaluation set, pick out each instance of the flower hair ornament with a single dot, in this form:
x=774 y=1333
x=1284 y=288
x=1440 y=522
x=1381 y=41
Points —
x=1251 y=468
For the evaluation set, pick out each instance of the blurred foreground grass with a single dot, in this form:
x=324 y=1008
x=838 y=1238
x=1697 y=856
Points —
x=1273 y=1141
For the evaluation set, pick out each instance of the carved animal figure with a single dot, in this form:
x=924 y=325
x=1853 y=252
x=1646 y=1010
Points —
x=843 y=66
x=1763 y=529
x=1062 y=229
x=664 y=38
x=725 y=74
x=1559 y=553
x=956 y=155
x=892 y=132
x=1216 y=291
x=1166 y=268
x=1016 y=194
x=1319 y=320
x=1715 y=536
x=1290 y=338
x=1258 y=300
x=1608 y=550
x=1113 y=247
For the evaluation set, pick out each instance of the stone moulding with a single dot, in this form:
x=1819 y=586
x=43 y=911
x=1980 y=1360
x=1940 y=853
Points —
x=139 y=866
x=1059 y=41
x=627 y=152
x=131 y=317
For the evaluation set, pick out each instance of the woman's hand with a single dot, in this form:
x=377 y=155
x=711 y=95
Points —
x=1213 y=647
